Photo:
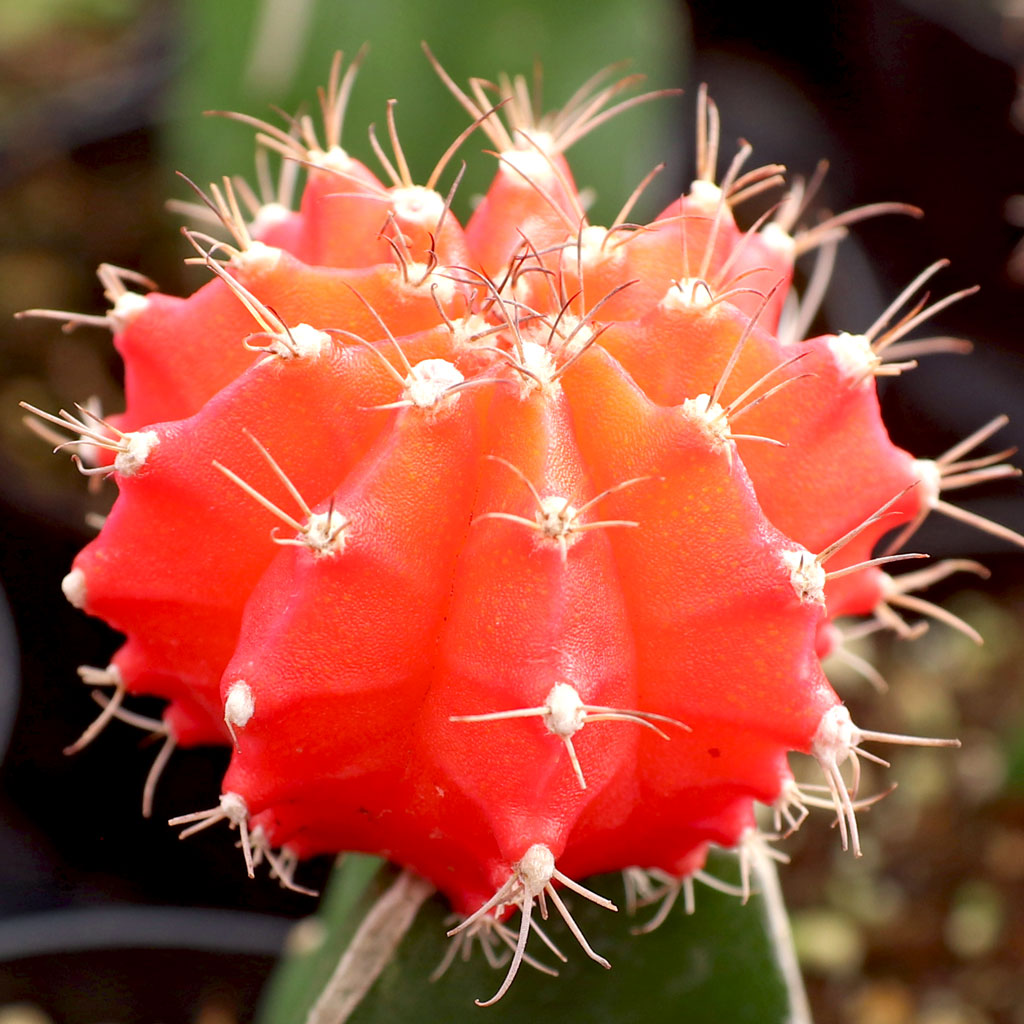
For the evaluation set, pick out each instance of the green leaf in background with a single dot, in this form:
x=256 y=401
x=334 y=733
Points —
x=718 y=965
x=247 y=57
x=20 y=22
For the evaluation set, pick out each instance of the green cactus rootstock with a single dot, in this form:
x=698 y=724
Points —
x=508 y=551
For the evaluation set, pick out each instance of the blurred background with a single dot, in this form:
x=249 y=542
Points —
x=105 y=916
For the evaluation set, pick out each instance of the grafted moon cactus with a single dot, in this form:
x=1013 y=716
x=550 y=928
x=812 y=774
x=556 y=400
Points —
x=507 y=551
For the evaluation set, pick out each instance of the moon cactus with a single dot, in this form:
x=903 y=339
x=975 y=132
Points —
x=508 y=551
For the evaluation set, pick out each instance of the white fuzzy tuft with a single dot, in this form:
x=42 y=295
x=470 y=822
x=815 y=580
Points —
x=234 y=808
x=334 y=159
x=556 y=517
x=537 y=359
x=257 y=259
x=778 y=240
x=710 y=418
x=465 y=330
x=418 y=205
x=127 y=307
x=326 y=533
x=567 y=339
x=806 y=574
x=687 y=293
x=239 y=705
x=269 y=215
x=73 y=586
x=855 y=359
x=836 y=735
x=427 y=385
x=929 y=475
x=132 y=457
x=527 y=162
x=706 y=195
x=301 y=342
x=566 y=713
x=536 y=869
x=419 y=277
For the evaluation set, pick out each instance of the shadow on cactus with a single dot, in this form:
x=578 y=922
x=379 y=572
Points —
x=508 y=551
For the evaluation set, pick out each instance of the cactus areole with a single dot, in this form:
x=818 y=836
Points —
x=507 y=551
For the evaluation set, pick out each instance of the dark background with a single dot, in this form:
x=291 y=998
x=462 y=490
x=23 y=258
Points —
x=909 y=102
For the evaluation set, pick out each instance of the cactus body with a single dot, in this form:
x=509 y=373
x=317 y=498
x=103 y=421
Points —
x=507 y=552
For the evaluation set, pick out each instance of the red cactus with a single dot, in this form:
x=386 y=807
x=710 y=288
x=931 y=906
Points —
x=507 y=552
